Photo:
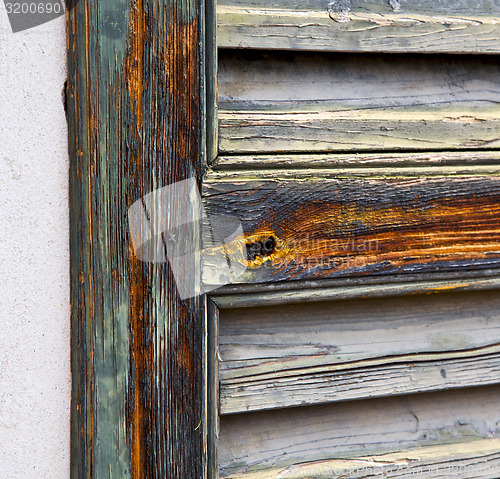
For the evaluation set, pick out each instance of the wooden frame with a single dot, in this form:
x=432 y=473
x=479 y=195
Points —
x=139 y=119
x=141 y=110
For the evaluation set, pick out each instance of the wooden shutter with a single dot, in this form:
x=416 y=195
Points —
x=357 y=147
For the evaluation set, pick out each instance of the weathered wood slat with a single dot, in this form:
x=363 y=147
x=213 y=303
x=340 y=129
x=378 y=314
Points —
x=347 y=223
x=360 y=25
x=318 y=103
x=210 y=84
x=135 y=107
x=274 y=340
x=281 y=163
x=479 y=459
x=413 y=376
x=254 y=442
x=272 y=357
x=309 y=291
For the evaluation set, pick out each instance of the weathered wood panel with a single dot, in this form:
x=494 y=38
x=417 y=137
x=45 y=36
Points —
x=273 y=357
x=305 y=224
x=360 y=25
x=304 y=103
x=479 y=459
x=135 y=104
x=274 y=340
x=254 y=442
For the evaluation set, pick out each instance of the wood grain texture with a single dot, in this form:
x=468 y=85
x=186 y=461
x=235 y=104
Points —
x=360 y=25
x=359 y=222
x=292 y=102
x=256 y=442
x=135 y=110
x=273 y=357
x=477 y=459
x=416 y=375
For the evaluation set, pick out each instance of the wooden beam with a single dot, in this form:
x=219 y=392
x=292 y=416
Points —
x=135 y=105
x=281 y=163
x=312 y=291
x=415 y=374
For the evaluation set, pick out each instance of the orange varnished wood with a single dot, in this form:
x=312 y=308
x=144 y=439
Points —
x=325 y=227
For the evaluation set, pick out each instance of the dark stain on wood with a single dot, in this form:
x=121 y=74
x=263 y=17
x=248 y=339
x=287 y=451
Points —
x=260 y=249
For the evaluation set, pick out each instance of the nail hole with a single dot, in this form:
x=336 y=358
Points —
x=262 y=248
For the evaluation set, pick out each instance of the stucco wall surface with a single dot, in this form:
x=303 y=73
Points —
x=34 y=271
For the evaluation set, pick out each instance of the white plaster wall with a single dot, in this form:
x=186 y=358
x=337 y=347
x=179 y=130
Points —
x=34 y=271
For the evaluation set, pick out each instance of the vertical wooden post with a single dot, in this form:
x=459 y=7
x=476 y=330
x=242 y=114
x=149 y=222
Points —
x=136 y=112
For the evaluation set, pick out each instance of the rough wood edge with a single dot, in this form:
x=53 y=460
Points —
x=345 y=30
x=327 y=366
x=212 y=322
x=382 y=171
x=245 y=296
x=359 y=160
x=212 y=128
